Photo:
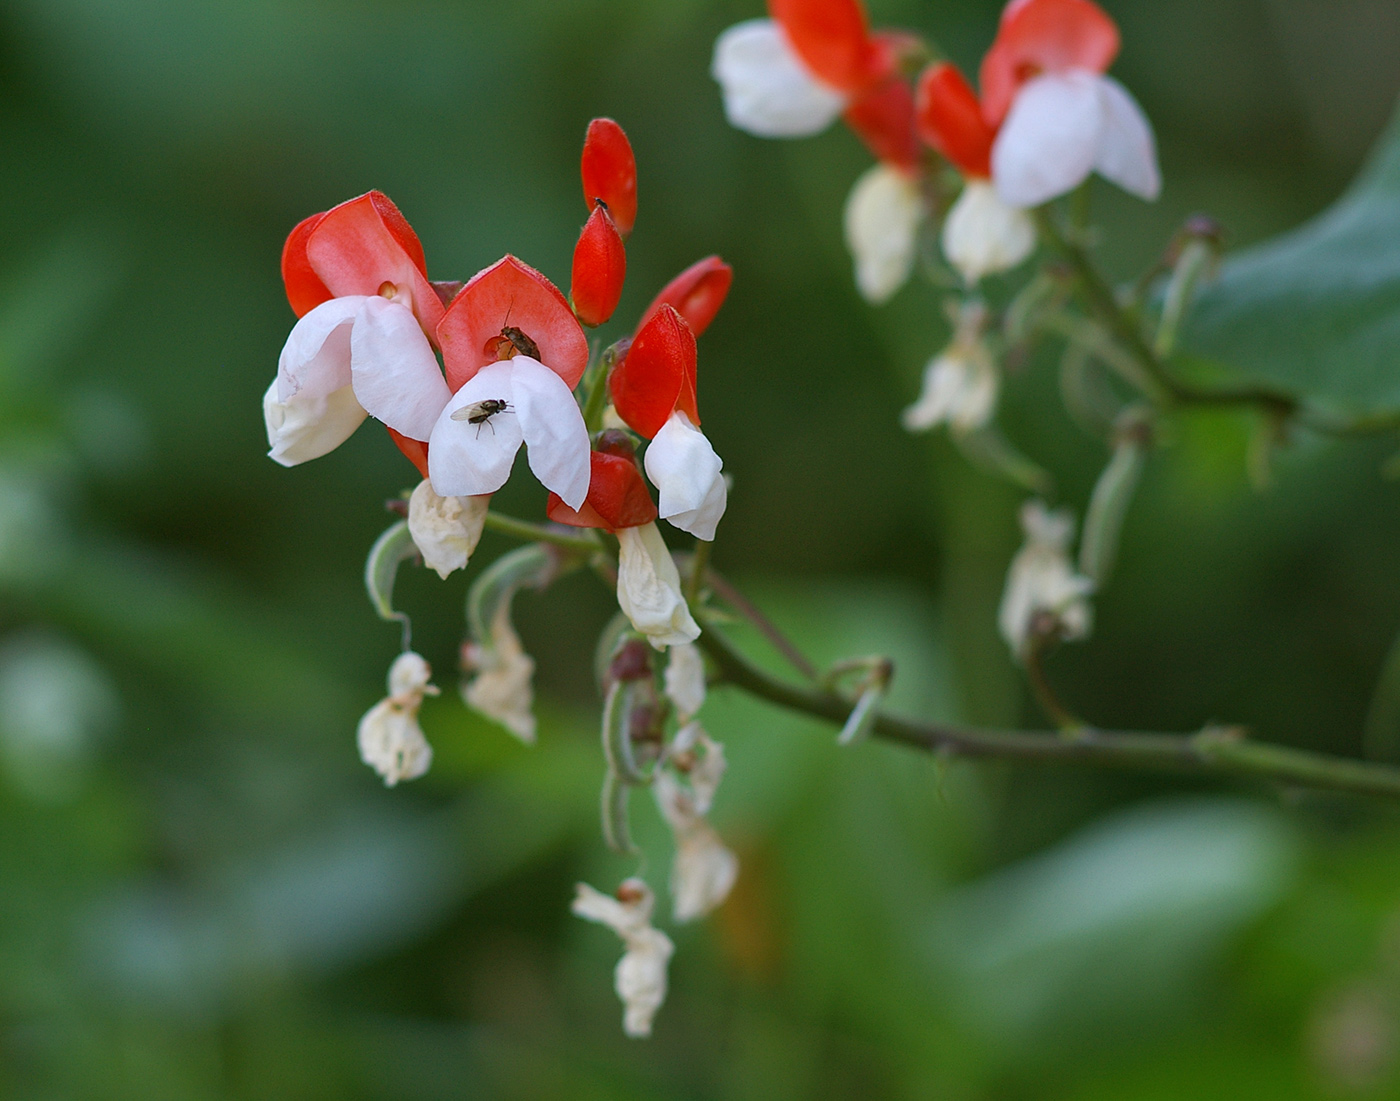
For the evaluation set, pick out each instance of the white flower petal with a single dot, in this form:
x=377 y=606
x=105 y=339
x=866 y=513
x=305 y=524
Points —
x=640 y=976
x=1042 y=579
x=960 y=389
x=649 y=588
x=686 y=471
x=767 y=90
x=1127 y=152
x=315 y=361
x=306 y=427
x=1050 y=139
x=685 y=679
x=445 y=529
x=552 y=424
x=983 y=236
x=396 y=375
x=390 y=739
x=882 y=224
x=468 y=460
x=502 y=689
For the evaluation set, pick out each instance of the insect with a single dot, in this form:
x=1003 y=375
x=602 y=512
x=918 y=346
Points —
x=512 y=342
x=481 y=412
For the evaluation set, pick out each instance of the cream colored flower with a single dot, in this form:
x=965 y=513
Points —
x=961 y=382
x=445 y=530
x=502 y=688
x=640 y=977
x=649 y=588
x=1041 y=579
x=983 y=235
x=882 y=220
x=704 y=870
x=685 y=679
x=390 y=739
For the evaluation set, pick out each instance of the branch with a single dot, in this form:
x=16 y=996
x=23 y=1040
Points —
x=1213 y=751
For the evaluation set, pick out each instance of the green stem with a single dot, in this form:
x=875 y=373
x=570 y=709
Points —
x=538 y=533
x=1213 y=752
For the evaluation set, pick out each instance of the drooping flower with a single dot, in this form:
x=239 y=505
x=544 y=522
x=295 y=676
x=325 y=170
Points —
x=882 y=218
x=640 y=977
x=649 y=588
x=502 y=688
x=356 y=278
x=1043 y=580
x=704 y=870
x=653 y=391
x=513 y=352
x=445 y=530
x=391 y=741
x=961 y=382
x=1060 y=117
x=982 y=235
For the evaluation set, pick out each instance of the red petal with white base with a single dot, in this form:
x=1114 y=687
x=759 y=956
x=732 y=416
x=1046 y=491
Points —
x=833 y=40
x=360 y=245
x=696 y=293
x=305 y=291
x=658 y=375
x=610 y=172
x=949 y=119
x=510 y=294
x=1044 y=36
x=617 y=497
x=884 y=120
x=600 y=266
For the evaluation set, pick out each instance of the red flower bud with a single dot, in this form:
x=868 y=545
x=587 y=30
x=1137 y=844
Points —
x=696 y=293
x=658 y=375
x=610 y=172
x=617 y=497
x=600 y=265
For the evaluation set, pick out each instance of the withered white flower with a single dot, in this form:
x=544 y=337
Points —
x=704 y=870
x=1042 y=579
x=649 y=588
x=640 y=977
x=685 y=679
x=882 y=220
x=445 y=530
x=982 y=235
x=961 y=382
x=502 y=688
x=390 y=739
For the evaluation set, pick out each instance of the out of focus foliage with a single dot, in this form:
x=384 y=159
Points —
x=203 y=894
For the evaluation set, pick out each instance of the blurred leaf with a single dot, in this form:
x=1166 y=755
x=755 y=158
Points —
x=1316 y=312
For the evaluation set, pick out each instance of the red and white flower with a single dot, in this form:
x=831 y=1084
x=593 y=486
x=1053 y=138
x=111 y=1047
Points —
x=356 y=278
x=1060 y=117
x=510 y=343
x=982 y=235
x=653 y=391
x=794 y=74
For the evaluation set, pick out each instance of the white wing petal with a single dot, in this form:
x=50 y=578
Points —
x=1050 y=139
x=1127 y=152
x=767 y=90
x=553 y=428
x=464 y=459
x=396 y=375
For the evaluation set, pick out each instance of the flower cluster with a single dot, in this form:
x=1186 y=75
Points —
x=1048 y=117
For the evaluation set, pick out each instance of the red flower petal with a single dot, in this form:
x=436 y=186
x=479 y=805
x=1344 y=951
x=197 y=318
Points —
x=600 y=265
x=884 y=120
x=510 y=294
x=617 y=497
x=658 y=375
x=305 y=291
x=1044 y=36
x=696 y=293
x=610 y=172
x=833 y=40
x=950 y=120
x=415 y=451
x=362 y=244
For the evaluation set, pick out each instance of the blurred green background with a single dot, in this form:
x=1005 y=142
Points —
x=204 y=894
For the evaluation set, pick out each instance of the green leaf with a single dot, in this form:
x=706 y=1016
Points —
x=1317 y=311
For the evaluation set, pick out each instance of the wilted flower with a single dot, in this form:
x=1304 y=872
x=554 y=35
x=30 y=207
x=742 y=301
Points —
x=1042 y=580
x=445 y=530
x=640 y=978
x=502 y=688
x=649 y=588
x=390 y=739
x=685 y=679
x=704 y=870
x=882 y=220
x=961 y=382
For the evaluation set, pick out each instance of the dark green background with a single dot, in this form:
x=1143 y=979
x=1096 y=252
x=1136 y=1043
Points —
x=203 y=894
